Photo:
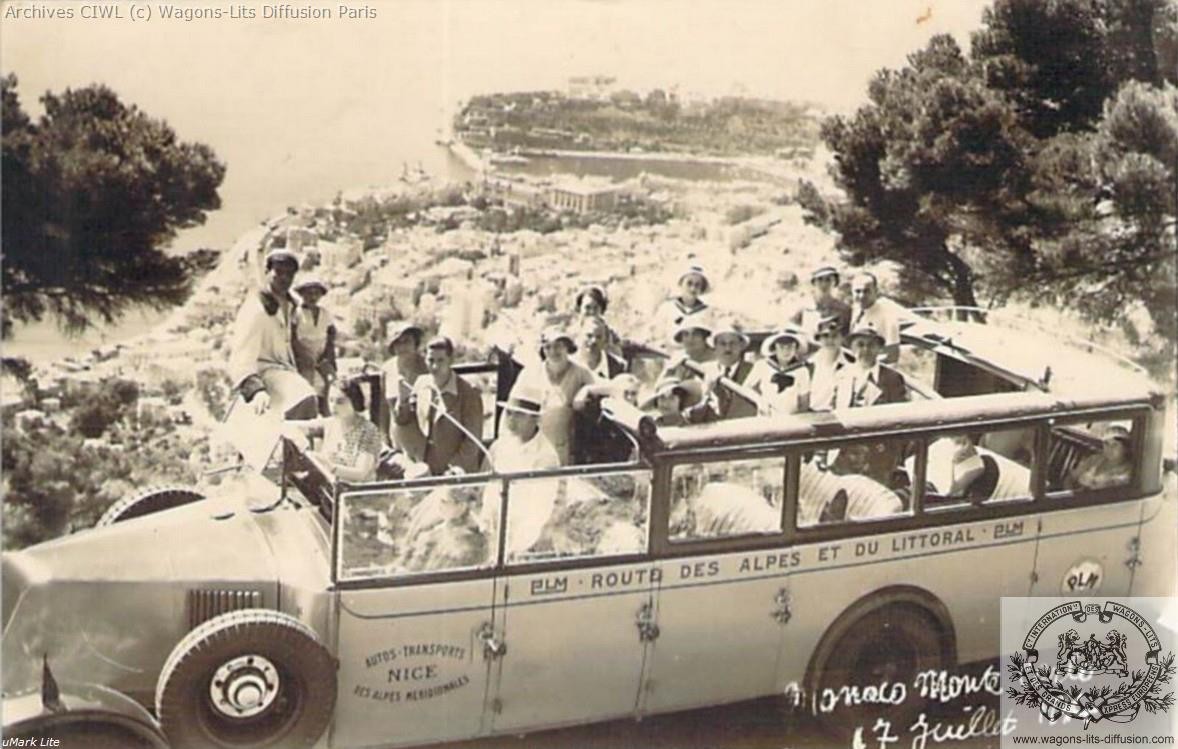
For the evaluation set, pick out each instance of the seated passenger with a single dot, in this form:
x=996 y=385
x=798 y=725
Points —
x=782 y=377
x=866 y=383
x=591 y=301
x=400 y=372
x=829 y=497
x=869 y=309
x=826 y=363
x=1109 y=467
x=522 y=447
x=598 y=438
x=594 y=353
x=679 y=309
x=824 y=282
x=959 y=469
x=557 y=380
x=671 y=396
x=729 y=509
x=694 y=336
x=351 y=443
x=443 y=415
x=729 y=366
x=954 y=465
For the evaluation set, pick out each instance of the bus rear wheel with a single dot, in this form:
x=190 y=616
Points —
x=870 y=671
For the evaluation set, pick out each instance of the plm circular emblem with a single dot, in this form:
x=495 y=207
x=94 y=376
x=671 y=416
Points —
x=1101 y=649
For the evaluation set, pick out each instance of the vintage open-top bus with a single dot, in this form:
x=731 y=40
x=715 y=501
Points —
x=722 y=562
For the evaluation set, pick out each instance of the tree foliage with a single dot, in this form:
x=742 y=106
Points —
x=56 y=483
x=91 y=193
x=1041 y=165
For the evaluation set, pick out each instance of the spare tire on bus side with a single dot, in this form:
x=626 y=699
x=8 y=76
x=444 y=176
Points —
x=252 y=678
x=881 y=649
x=146 y=502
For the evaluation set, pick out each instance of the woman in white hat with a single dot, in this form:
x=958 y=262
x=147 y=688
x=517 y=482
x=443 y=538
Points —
x=314 y=338
x=671 y=314
x=827 y=362
x=670 y=398
x=400 y=371
x=781 y=376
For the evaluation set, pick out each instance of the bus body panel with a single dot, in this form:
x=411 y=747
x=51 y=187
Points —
x=1086 y=551
x=574 y=648
x=412 y=667
x=721 y=631
x=1157 y=571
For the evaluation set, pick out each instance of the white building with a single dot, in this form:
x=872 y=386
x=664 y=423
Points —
x=595 y=87
x=582 y=196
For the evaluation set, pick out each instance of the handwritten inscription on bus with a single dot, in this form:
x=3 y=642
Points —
x=412 y=672
x=772 y=561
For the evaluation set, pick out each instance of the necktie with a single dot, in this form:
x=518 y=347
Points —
x=782 y=380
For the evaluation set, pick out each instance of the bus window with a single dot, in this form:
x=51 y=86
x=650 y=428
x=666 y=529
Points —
x=563 y=517
x=965 y=470
x=726 y=498
x=858 y=481
x=427 y=529
x=1090 y=456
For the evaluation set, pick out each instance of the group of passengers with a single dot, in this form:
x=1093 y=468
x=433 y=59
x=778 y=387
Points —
x=803 y=366
x=833 y=354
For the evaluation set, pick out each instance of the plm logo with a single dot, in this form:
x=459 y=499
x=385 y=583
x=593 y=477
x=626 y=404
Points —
x=1098 y=655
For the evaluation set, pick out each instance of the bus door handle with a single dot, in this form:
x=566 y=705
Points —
x=493 y=646
x=782 y=611
x=648 y=631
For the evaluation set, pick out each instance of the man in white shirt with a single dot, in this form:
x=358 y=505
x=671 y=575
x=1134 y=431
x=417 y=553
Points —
x=522 y=447
x=869 y=309
x=261 y=354
x=593 y=352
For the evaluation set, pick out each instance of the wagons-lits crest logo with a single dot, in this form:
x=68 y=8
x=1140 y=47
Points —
x=1092 y=658
x=1106 y=652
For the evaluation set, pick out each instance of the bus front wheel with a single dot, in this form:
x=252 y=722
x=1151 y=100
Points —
x=870 y=671
x=252 y=678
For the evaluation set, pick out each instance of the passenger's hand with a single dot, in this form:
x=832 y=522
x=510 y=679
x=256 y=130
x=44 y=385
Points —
x=260 y=403
x=455 y=471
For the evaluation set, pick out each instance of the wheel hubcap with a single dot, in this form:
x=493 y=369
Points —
x=244 y=686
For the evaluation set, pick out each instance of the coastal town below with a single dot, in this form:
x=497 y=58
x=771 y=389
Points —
x=489 y=262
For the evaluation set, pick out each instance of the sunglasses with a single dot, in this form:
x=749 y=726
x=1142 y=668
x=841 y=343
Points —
x=824 y=336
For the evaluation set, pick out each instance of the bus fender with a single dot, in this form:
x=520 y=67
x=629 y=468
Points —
x=865 y=606
x=81 y=711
